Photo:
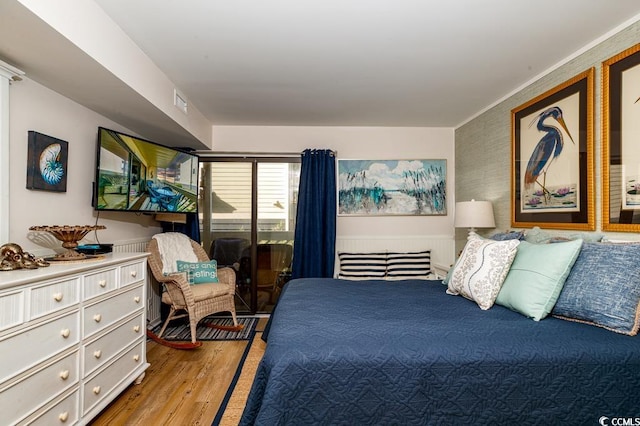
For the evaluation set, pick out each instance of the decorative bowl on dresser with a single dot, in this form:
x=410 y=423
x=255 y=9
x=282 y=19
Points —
x=72 y=338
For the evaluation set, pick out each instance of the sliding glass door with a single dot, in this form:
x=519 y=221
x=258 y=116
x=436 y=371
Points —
x=248 y=210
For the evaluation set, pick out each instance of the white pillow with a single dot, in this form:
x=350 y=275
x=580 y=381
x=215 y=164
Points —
x=481 y=269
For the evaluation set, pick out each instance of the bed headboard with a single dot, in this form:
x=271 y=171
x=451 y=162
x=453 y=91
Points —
x=442 y=247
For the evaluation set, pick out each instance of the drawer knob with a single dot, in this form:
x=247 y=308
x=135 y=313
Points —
x=57 y=297
x=96 y=390
x=64 y=375
x=134 y=274
x=136 y=299
x=136 y=328
x=102 y=283
x=136 y=357
x=63 y=416
x=97 y=354
x=65 y=333
x=97 y=317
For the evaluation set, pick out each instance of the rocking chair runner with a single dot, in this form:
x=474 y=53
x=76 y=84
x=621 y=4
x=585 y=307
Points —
x=197 y=301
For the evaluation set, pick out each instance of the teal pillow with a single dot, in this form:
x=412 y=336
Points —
x=537 y=276
x=446 y=279
x=538 y=236
x=199 y=272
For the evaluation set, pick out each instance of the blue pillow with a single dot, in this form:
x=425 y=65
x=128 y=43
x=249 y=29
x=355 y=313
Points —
x=603 y=288
x=199 y=272
x=510 y=235
x=537 y=276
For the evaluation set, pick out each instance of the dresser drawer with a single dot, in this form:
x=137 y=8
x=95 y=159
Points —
x=28 y=394
x=23 y=350
x=64 y=412
x=54 y=296
x=11 y=309
x=108 y=311
x=100 y=283
x=132 y=273
x=100 y=386
x=106 y=347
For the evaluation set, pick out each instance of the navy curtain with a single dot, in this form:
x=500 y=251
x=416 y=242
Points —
x=191 y=229
x=315 y=234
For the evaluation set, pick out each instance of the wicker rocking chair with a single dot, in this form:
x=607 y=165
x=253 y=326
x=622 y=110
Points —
x=195 y=301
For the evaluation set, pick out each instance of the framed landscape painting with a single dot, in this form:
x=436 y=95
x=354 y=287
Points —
x=552 y=158
x=392 y=187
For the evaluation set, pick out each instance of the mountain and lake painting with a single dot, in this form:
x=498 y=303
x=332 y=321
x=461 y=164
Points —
x=392 y=187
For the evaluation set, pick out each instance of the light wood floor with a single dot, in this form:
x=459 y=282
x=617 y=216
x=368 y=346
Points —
x=180 y=387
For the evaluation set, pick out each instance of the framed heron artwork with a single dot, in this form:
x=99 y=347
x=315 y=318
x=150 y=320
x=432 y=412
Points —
x=47 y=163
x=552 y=158
x=620 y=137
x=392 y=187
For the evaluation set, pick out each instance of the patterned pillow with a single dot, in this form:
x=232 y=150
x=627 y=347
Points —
x=199 y=272
x=362 y=266
x=537 y=236
x=481 y=269
x=509 y=235
x=410 y=265
x=603 y=288
x=537 y=276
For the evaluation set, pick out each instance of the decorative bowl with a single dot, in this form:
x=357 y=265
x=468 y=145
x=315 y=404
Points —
x=69 y=235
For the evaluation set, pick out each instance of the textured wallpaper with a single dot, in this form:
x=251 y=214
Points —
x=483 y=145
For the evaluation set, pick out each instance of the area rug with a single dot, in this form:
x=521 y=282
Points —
x=181 y=332
x=235 y=400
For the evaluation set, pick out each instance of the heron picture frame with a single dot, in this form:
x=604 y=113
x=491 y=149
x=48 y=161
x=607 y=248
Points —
x=552 y=165
x=620 y=135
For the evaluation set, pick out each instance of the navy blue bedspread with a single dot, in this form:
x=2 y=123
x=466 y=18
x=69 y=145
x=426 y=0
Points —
x=400 y=353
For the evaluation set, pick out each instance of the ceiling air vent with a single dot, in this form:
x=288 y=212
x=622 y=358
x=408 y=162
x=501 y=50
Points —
x=180 y=101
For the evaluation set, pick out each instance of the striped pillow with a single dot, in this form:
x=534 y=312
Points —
x=362 y=266
x=410 y=265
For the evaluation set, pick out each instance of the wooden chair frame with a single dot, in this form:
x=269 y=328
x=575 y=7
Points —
x=179 y=294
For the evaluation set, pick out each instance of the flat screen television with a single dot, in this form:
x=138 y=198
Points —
x=138 y=175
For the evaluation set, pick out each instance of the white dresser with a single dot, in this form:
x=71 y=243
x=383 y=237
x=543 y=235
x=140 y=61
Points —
x=72 y=338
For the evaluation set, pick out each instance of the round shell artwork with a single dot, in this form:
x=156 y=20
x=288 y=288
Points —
x=50 y=166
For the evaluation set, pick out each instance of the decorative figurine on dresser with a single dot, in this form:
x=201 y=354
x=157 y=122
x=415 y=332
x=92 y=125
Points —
x=13 y=257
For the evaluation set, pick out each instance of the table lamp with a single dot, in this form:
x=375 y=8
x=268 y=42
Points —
x=474 y=214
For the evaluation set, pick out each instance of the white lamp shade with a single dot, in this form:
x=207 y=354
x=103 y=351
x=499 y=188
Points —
x=474 y=214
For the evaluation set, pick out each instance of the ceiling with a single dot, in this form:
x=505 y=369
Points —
x=316 y=63
x=358 y=62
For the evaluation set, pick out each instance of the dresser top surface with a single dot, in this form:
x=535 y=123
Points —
x=18 y=277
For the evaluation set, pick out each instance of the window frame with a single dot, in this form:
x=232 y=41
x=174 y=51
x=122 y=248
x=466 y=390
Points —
x=205 y=181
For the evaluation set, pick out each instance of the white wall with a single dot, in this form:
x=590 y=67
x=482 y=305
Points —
x=88 y=27
x=35 y=107
x=392 y=143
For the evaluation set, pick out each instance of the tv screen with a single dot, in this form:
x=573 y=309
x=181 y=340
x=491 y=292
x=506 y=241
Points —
x=133 y=174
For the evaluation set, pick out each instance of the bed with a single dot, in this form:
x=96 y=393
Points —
x=405 y=352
